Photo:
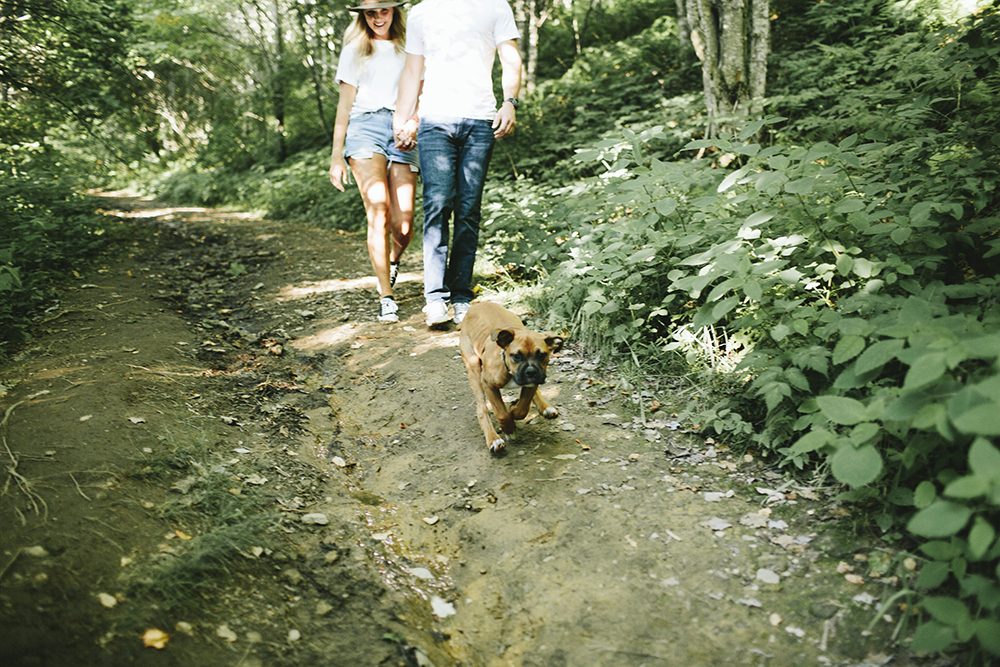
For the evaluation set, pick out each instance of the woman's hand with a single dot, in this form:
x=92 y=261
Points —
x=338 y=173
x=406 y=136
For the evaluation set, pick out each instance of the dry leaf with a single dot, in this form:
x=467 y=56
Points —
x=108 y=601
x=155 y=638
x=430 y=520
x=137 y=420
x=182 y=535
x=855 y=579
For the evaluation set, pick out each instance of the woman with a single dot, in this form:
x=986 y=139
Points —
x=371 y=61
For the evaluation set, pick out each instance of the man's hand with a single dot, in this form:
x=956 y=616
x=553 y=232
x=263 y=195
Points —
x=505 y=120
x=406 y=134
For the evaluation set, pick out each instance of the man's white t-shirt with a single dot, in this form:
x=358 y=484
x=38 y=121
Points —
x=458 y=40
x=376 y=78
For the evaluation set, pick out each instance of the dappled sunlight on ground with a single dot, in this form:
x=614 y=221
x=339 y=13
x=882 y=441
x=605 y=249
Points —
x=310 y=289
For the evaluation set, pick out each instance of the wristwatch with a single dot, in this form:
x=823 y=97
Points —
x=513 y=102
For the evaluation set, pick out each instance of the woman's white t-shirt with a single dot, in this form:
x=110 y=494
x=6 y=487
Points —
x=376 y=78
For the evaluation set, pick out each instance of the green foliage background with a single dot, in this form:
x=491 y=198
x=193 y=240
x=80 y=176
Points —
x=827 y=274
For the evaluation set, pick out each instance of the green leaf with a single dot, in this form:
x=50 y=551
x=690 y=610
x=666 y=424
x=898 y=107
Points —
x=878 y=355
x=984 y=458
x=841 y=410
x=933 y=574
x=940 y=550
x=847 y=348
x=812 y=441
x=864 y=432
x=666 y=206
x=984 y=419
x=947 y=610
x=802 y=186
x=970 y=486
x=943 y=518
x=932 y=637
x=980 y=538
x=856 y=467
x=924 y=495
x=988 y=634
x=925 y=370
x=849 y=205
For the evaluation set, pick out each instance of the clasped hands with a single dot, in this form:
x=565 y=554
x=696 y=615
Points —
x=405 y=134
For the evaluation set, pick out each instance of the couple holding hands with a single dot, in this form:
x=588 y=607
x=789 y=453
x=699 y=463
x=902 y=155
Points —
x=429 y=83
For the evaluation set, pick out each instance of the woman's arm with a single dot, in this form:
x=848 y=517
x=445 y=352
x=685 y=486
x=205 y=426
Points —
x=338 y=168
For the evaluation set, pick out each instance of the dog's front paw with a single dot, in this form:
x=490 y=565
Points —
x=497 y=445
x=507 y=424
x=550 y=413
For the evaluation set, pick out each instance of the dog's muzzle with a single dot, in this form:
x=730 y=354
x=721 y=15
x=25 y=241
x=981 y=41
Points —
x=529 y=374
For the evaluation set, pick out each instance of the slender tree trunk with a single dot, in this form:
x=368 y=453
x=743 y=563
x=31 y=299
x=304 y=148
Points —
x=731 y=39
x=531 y=48
x=315 y=66
x=278 y=84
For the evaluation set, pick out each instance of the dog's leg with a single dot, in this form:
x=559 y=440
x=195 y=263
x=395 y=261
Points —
x=544 y=409
x=474 y=372
x=500 y=409
x=519 y=410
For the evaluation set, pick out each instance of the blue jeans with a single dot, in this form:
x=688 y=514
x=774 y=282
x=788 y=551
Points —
x=454 y=158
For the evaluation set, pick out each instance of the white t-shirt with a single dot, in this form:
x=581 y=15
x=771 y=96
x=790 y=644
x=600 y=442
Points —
x=376 y=78
x=458 y=40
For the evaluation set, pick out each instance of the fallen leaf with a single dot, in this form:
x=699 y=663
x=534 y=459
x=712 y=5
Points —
x=137 y=420
x=774 y=619
x=108 y=601
x=154 y=638
x=339 y=462
x=85 y=417
x=182 y=535
x=632 y=543
x=843 y=567
x=430 y=520
x=227 y=634
x=565 y=457
x=855 y=579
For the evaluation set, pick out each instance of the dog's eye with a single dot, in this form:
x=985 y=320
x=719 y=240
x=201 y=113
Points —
x=517 y=357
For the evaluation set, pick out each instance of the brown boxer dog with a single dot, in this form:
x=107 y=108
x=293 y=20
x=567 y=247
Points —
x=497 y=350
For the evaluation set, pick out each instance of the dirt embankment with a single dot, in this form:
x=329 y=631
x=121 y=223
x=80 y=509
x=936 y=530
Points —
x=213 y=438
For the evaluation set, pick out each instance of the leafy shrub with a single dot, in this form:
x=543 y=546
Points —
x=45 y=228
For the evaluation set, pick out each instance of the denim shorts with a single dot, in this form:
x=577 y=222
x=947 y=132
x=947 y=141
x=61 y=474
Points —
x=371 y=133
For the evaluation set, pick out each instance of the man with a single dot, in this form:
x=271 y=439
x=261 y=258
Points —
x=453 y=43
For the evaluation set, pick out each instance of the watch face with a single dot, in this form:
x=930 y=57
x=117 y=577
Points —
x=513 y=101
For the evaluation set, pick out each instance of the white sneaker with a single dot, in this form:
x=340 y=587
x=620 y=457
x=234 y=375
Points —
x=387 y=310
x=437 y=313
x=460 y=310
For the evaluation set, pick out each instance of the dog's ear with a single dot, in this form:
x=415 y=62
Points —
x=502 y=337
x=554 y=342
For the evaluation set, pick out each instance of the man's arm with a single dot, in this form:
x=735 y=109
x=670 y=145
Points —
x=409 y=92
x=510 y=80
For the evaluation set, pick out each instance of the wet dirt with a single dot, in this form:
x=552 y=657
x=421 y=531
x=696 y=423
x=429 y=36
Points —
x=211 y=436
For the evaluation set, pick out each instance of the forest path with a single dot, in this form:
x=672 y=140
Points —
x=211 y=436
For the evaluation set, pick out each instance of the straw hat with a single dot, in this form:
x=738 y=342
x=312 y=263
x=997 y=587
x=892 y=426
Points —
x=374 y=4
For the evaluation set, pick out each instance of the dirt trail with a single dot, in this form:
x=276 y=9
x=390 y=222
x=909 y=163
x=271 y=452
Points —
x=211 y=436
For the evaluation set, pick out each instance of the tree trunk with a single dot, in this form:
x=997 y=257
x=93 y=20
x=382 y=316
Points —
x=278 y=90
x=731 y=39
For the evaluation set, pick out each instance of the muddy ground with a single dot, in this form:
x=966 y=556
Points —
x=214 y=455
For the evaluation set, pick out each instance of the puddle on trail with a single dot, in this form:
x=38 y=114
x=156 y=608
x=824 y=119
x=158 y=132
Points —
x=586 y=544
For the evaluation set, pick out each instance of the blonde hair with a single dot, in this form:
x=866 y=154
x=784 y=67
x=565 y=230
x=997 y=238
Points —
x=362 y=37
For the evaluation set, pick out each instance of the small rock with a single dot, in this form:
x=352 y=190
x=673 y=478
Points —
x=750 y=602
x=292 y=576
x=716 y=524
x=867 y=599
x=315 y=519
x=37 y=552
x=323 y=608
x=768 y=576
x=823 y=610
x=441 y=607
x=294 y=635
x=108 y=601
x=430 y=520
